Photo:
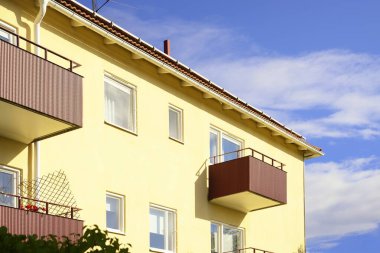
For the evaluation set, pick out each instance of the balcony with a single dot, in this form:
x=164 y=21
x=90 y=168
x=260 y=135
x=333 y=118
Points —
x=39 y=96
x=29 y=216
x=251 y=181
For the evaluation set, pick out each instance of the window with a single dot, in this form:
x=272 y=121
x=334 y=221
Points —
x=115 y=212
x=229 y=145
x=4 y=32
x=224 y=145
x=120 y=103
x=9 y=178
x=175 y=123
x=214 y=238
x=162 y=229
x=214 y=136
x=226 y=238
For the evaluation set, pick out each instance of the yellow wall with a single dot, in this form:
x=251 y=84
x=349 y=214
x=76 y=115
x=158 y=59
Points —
x=15 y=155
x=148 y=167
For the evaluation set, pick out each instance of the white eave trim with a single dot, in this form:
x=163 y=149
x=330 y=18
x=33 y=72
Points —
x=183 y=77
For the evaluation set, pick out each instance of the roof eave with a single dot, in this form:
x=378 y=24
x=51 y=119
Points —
x=309 y=149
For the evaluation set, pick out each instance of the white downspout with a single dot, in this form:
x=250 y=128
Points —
x=37 y=24
x=37 y=162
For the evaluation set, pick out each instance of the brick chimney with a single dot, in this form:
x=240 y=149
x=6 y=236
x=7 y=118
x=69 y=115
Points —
x=167 y=47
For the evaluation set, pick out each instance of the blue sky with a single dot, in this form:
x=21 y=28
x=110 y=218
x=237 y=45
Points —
x=315 y=66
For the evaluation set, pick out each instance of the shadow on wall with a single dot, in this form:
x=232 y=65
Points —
x=28 y=34
x=9 y=150
x=208 y=211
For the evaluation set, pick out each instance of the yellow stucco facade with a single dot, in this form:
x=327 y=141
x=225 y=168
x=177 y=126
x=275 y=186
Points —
x=147 y=167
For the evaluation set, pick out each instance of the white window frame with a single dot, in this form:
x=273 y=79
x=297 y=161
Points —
x=180 y=122
x=166 y=210
x=9 y=28
x=214 y=159
x=16 y=174
x=220 y=135
x=125 y=87
x=220 y=234
x=121 y=212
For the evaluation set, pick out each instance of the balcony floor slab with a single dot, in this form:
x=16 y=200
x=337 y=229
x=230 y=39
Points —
x=245 y=201
x=25 y=126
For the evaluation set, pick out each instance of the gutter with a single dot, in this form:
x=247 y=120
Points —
x=134 y=50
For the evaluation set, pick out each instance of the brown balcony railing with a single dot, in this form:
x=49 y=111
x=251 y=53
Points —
x=29 y=216
x=38 y=206
x=248 y=250
x=248 y=152
x=47 y=54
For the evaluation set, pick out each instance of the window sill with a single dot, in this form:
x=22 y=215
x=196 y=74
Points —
x=115 y=232
x=176 y=140
x=120 y=128
x=160 y=250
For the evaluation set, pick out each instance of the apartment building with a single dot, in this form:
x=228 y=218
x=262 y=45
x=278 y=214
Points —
x=149 y=149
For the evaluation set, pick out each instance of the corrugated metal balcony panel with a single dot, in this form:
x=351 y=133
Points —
x=32 y=82
x=37 y=98
x=26 y=222
x=247 y=184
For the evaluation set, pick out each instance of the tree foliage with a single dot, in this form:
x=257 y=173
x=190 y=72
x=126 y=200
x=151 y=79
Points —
x=92 y=240
x=301 y=249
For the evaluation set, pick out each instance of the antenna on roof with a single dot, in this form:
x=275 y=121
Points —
x=95 y=7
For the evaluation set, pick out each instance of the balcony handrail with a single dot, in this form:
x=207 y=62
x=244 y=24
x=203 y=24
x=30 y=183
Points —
x=72 y=66
x=253 y=152
x=254 y=250
x=19 y=198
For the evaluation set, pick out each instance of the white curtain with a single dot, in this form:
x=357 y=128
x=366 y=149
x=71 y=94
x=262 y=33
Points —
x=232 y=239
x=119 y=105
x=174 y=124
x=213 y=147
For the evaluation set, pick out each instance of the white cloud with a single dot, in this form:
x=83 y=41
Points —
x=342 y=86
x=342 y=199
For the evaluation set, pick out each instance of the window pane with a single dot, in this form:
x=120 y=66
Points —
x=7 y=185
x=232 y=239
x=230 y=145
x=157 y=228
x=4 y=36
x=213 y=147
x=5 y=32
x=175 y=124
x=214 y=238
x=113 y=213
x=119 y=106
x=162 y=229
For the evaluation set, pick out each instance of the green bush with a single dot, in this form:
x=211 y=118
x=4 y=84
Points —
x=93 y=240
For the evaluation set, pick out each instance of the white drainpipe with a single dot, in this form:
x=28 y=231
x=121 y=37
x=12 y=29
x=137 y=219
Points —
x=37 y=24
x=37 y=160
